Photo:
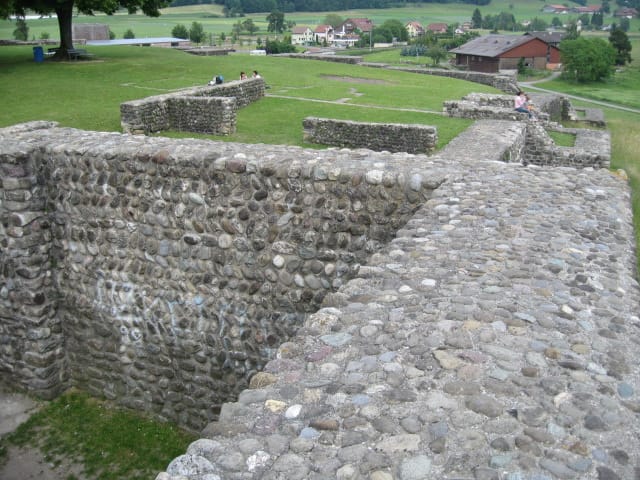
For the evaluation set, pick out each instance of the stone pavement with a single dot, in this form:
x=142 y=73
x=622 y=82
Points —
x=496 y=337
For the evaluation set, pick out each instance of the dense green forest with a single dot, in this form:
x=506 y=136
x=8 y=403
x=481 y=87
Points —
x=238 y=7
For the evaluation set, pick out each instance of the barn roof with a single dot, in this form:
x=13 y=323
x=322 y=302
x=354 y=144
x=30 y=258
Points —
x=492 y=45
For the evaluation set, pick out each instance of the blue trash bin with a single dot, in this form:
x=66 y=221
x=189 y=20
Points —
x=38 y=54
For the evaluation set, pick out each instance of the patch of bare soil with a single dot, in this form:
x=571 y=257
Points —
x=339 y=78
x=28 y=463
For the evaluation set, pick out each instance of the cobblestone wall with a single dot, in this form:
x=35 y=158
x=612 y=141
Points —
x=391 y=137
x=505 y=82
x=31 y=341
x=325 y=58
x=179 y=266
x=500 y=107
x=494 y=338
x=209 y=109
x=592 y=148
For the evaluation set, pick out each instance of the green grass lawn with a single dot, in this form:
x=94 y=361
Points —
x=87 y=94
x=111 y=443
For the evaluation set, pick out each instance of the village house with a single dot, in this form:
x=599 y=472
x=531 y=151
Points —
x=492 y=53
x=345 y=40
x=626 y=12
x=352 y=25
x=414 y=29
x=437 y=27
x=323 y=34
x=301 y=36
x=551 y=38
x=555 y=9
x=590 y=9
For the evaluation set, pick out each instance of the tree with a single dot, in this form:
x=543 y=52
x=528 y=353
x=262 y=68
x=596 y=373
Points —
x=572 y=31
x=556 y=22
x=620 y=42
x=275 y=46
x=333 y=19
x=180 y=31
x=128 y=34
x=436 y=53
x=624 y=24
x=22 y=30
x=250 y=27
x=64 y=11
x=389 y=30
x=476 y=19
x=537 y=25
x=196 y=33
x=276 y=22
x=597 y=20
x=587 y=59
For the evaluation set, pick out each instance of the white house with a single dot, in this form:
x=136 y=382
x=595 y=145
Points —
x=323 y=34
x=301 y=36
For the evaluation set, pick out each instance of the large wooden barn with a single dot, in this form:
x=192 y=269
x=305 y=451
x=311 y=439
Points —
x=493 y=53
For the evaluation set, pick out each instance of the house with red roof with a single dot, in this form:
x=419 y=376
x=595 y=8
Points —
x=351 y=25
x=323 y=34
x=555 y=9
x=301 y=35
x=492 y=53
x=437 y=27
x=626 y=12
x=414 y=29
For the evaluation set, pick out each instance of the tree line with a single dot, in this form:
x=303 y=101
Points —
x=239 y=7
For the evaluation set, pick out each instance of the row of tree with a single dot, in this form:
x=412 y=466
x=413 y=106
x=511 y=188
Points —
x=507 y=22
x=239 y=7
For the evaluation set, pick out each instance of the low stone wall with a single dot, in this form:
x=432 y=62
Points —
x=500 y=107
x=391 y=137
x=208 y=109
x=506 y=83
x=351 y=60
x=592 y=148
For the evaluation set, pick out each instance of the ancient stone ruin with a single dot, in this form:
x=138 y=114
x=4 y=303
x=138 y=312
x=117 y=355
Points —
x=337 y=313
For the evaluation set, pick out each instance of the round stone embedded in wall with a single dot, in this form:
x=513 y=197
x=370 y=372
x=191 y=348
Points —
x=225 y=241
x=278 y=261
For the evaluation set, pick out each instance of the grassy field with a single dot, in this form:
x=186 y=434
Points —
x=210 y=16
x=87 y=94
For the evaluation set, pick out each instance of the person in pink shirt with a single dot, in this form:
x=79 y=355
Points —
x=520 y=104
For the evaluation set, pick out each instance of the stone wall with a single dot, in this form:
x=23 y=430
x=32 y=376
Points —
x=506 y=83
x=351 y=60
x=32 y=351
x=163 y=273
x=500 y=107
x=592 y=148
x=494 y=338
x=208 y=109
x=391 y=137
